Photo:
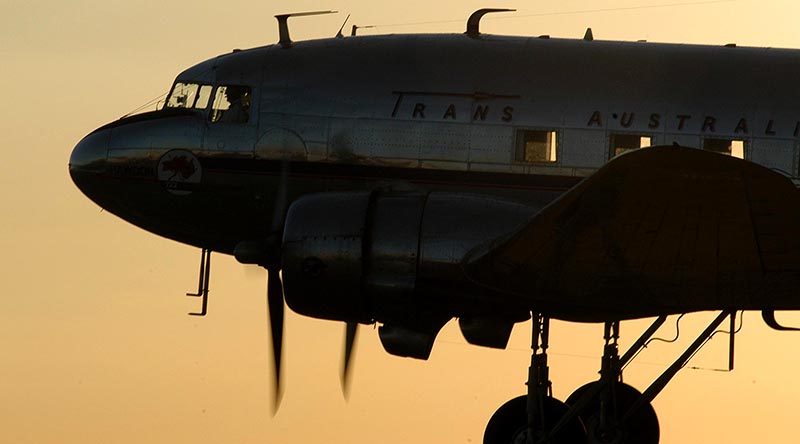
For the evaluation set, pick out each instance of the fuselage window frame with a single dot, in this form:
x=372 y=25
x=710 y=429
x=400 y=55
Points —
x=219 y=109
x=536 y=146
x=617 y=147
x=735 y=147
x=196 y=95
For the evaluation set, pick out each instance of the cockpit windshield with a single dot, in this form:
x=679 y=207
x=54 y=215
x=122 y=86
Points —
x=189 y=95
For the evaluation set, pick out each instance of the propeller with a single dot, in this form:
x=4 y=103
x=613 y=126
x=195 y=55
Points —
x=274 y=284
x=350 y=334
x=275 y=307
x=275 y=299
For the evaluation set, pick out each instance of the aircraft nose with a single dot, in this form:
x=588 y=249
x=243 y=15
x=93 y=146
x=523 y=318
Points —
x=88 y=159
x=89 y=155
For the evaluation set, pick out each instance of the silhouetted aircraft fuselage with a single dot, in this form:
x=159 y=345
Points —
x=378 y=172
x=431 y=113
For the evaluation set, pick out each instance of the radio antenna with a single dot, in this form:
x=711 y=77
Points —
x=356 y=28
x=474 y=21
x=283 y=25
x=339 y=34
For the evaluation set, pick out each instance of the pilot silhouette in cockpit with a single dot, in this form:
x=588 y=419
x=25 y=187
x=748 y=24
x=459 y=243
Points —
x=239 y=110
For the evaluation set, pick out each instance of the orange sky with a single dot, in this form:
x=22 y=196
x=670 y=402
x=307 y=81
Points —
x=97 y=347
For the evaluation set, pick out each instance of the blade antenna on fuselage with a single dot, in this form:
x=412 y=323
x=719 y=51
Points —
x=283 y=25
x=474 y=20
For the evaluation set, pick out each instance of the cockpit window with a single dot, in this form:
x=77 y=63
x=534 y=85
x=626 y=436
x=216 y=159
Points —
x=203 y=96
x=231 y=104
x=189 y=95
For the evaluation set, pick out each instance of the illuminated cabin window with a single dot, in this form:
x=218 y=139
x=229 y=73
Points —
x=536 y=146
x=622 y=143
x=730 y=147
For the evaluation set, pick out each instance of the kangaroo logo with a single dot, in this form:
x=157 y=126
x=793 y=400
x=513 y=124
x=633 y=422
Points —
x=179 y=170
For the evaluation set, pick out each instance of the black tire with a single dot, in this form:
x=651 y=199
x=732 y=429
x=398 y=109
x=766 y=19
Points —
x=642 y=428
x=509 y=423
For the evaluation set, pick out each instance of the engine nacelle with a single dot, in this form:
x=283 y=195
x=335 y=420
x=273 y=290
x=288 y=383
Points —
x=391 y=256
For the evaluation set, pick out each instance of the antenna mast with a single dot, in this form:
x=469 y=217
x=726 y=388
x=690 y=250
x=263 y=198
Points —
x=283 y=25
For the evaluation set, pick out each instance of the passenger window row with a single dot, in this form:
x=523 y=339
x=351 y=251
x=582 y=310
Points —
x=541 y=146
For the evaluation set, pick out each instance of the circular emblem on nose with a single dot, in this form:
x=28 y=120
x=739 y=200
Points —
x=179 y=171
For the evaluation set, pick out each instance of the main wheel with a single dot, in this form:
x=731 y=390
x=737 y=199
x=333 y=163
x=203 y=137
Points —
x=509 y=424
x=641 y=428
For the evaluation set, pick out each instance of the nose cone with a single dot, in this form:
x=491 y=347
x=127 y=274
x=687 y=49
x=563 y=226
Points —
x=89 y=155
x=88 y=160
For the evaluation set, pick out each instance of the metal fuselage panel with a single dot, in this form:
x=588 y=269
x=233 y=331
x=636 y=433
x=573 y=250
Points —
x=429 y=112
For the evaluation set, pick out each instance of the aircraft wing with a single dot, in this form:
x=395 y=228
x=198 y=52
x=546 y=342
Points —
x=655 y=231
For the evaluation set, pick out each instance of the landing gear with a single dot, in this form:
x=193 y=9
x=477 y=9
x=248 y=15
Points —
x=602 y=404
x=536 y=417
x=602 y=412
x=509 y=424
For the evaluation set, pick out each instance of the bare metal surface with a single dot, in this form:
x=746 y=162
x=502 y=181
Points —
x=398 y=253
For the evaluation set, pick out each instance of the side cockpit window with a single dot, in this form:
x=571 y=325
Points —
x=231 y=104
x=189 y=95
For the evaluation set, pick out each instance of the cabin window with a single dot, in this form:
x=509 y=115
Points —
x=730 y=147
x=189 y=95
x=622 y=143
x=536 y=146
x=231 y=104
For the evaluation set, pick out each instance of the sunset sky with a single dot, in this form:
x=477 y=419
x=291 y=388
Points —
x=96 y=343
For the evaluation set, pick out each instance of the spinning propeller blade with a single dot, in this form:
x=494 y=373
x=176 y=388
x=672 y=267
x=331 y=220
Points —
x=274 y=284
x=275 y=300
x=275 y=307
x=351 y=330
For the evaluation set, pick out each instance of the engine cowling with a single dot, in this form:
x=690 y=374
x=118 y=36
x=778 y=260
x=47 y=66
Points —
x=391 y=256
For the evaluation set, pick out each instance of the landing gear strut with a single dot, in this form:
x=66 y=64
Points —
x=607 y=411
x=531 y=419
x=602 y=404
